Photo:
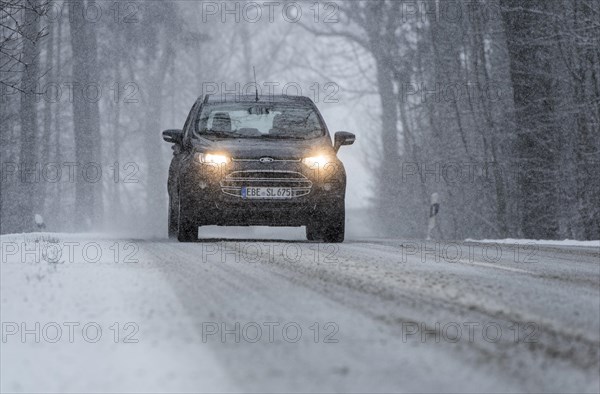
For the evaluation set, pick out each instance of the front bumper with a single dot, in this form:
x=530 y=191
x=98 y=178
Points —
x=212 y=194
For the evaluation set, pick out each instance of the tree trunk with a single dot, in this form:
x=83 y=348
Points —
x=29 y=128
x=85 y=120
x=47 y=122
x=56 y=205
x=534 y=97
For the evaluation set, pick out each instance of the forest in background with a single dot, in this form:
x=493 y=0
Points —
x=494 y=105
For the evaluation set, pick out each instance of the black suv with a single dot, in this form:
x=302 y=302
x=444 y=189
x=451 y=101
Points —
x=256 y=160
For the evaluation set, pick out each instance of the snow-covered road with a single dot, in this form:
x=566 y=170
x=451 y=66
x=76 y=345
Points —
x=87 y=313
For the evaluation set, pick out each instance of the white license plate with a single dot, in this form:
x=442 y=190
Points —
x=266 y=192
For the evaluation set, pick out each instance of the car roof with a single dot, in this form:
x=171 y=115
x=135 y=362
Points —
x=236 y=98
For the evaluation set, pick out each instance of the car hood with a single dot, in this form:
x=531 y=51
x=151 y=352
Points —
x=253 y=148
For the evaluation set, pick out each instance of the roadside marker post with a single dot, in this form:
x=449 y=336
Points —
x=434 y=208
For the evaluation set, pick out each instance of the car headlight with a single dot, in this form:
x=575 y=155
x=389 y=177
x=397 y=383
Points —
x=212 y=158
x=318 y=161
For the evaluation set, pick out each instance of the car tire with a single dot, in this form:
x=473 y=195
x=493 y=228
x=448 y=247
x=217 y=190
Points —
x=330 y=227
x=187 y=230
x=334 y=230
x=313 y=231
x=173 y=220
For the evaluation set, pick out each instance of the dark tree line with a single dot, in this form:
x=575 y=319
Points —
x=554 y=51
x=494 y=105
x=85 y=87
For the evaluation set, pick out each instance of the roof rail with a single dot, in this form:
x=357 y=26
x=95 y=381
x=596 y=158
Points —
x=206 y=98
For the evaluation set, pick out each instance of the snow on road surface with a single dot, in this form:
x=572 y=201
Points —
x=94 y=314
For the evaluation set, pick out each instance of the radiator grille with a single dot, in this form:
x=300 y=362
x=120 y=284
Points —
x=232 y=184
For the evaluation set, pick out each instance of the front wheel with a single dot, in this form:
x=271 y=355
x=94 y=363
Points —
x=335 y=228
x=187 y=230
x=330 y=227
x=313 y=231
x=173 y=220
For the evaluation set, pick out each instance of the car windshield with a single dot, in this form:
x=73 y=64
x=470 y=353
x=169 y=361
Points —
x=258 y=120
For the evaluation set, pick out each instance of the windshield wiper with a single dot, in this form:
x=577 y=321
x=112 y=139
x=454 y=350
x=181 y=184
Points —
x=222 y=134
x=282 y=137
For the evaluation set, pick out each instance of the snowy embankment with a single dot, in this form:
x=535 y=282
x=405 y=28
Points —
x=514 y=241
x=83 y=313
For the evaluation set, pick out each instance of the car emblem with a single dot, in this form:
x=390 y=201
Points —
x=266 y=159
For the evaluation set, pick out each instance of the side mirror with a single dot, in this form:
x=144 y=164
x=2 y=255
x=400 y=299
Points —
x=173 y=136
x=343 y=138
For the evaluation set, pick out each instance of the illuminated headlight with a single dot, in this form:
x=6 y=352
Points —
x=317 y=161
x=212 y=158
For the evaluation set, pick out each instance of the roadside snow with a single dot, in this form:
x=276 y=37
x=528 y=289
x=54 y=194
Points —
x=89 y=305
x=566 y=242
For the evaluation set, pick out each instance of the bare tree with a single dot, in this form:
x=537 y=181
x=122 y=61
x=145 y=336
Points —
x=85 y=117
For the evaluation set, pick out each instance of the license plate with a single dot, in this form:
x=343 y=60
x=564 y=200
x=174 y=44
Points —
x=266 y=192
